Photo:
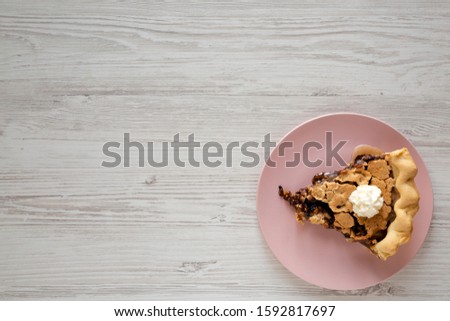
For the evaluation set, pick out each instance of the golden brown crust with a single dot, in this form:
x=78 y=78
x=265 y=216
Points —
x=365 y=150
x=406 y=206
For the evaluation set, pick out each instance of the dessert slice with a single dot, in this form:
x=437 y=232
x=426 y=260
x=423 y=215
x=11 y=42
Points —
x=372 y=201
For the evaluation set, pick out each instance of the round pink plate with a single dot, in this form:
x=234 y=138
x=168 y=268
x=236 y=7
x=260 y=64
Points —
x=320 y=256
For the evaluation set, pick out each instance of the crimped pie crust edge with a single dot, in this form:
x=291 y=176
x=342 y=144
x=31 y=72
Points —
x=399 y=231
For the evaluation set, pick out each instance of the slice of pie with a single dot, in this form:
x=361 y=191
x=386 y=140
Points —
x=372 y=201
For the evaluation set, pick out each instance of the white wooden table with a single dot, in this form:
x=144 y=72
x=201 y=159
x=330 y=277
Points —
x=77 y=74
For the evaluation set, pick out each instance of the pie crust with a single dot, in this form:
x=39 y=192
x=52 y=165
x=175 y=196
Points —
x=406 y=206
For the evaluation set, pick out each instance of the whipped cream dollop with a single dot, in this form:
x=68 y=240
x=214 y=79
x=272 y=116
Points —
x=366 y=200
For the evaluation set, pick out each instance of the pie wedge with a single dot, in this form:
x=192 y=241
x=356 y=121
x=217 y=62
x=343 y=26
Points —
x=372 y=200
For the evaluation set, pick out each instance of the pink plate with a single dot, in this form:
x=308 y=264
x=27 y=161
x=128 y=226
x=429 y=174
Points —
x=317 y=255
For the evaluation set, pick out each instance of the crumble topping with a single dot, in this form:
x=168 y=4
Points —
x=327 y=203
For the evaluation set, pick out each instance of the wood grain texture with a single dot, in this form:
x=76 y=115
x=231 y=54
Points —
x=74 y=75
